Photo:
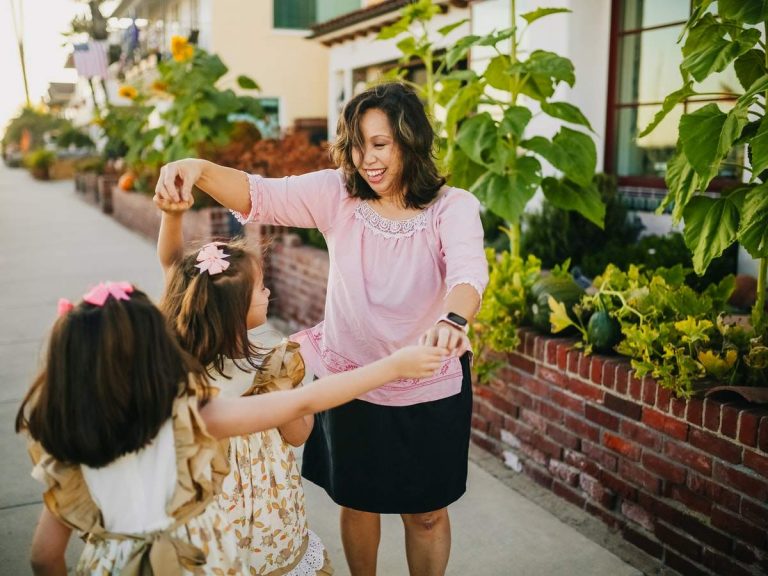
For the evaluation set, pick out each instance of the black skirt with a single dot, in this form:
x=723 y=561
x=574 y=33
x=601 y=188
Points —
x=393 y=459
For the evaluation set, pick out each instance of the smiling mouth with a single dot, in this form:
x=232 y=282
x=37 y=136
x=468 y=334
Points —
x=375 y=176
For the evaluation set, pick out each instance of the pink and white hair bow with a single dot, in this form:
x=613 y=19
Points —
x=99 y=294
x=211 y=259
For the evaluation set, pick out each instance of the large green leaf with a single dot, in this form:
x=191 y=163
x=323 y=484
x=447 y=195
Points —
x=708 y=48
x=515 y=120
x=568 y=195
x=247 y=83
x=497 y=73
x=670 y=102
x=459 y=50
x=477 y=138
x=759 y=146
x=571 y=152
x=565 y=111
x=546 y=70
x=753 y=232
x=507 y=195
x=393 y=30
x=445 y=30
x=682 y=182
x=711 y=225
x=462 y=104
x=541 y=12
x=759 y=85
x=464 y=172
x=749 y=67
x=743 y=11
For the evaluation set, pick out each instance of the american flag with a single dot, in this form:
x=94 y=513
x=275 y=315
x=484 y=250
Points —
x=91 y=59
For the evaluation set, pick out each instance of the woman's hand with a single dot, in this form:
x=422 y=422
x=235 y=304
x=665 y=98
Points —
x=418 y=361
x=177 y=178
x=172 y=207
x=444 y=335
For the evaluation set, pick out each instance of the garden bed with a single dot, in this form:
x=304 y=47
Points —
x=684 y=480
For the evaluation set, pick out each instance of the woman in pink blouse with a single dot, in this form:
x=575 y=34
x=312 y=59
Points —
x=407 y=265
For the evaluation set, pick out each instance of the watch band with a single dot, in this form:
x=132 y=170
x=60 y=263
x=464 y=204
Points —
x=454 y=320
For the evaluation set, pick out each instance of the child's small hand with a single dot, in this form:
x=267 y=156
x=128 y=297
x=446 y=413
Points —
x=419 y=361
x=172 y=207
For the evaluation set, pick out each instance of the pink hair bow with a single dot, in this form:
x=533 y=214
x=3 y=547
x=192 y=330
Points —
x=211 y=259
x=99 y=294
x=64 y=306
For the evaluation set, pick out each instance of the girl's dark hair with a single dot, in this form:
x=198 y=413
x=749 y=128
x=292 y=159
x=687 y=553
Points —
x=109 y=382
x=413 y=135
x=209 y=313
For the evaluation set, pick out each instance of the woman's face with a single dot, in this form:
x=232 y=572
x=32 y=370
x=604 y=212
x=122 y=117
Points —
x=379 y=162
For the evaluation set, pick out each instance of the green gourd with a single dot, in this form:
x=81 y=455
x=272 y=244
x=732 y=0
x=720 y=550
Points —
x=603 y=331
x=561 y=288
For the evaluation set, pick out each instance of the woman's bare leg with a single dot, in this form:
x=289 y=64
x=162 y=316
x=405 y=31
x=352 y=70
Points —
x=427 y=542
x=360 y=535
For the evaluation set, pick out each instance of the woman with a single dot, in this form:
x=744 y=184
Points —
x=407 y=265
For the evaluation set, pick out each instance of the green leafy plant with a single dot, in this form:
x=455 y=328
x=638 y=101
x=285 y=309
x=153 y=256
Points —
x=714 y=40
x=490 y=154
x=39 y=162
x=71 y=136
x=36 y=124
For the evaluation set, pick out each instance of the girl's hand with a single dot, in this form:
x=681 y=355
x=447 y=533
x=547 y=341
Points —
x=177 y=178
x=172 y=207
x=446 y=336
x=418 y=361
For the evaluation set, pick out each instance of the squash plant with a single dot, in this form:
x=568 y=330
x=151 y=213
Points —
x=733 y=34
x=488 y=151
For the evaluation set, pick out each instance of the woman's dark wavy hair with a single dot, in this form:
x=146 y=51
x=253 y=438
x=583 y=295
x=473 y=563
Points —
x=110 y=378
x=413 y=135
x=209 y=313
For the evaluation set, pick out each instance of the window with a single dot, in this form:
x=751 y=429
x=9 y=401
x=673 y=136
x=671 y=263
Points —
x=294 y=14
x=269 y=125
x=645 y=67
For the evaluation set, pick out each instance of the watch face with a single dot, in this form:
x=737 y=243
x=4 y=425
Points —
x=453 y=317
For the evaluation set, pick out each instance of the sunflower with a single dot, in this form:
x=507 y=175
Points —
x=128 y=92
x=181 y=49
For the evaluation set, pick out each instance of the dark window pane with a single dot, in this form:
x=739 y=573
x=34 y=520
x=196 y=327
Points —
x=294 y=14
x=647 y=13
x=649 y=65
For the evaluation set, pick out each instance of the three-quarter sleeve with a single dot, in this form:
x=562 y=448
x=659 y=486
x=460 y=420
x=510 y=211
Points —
x=307 y=201
x=461 y=237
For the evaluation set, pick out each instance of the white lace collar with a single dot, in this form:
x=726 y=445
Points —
x=389 y=228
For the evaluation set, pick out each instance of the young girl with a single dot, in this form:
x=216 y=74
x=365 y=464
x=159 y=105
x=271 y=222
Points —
x=213 y=297
x=123 y=434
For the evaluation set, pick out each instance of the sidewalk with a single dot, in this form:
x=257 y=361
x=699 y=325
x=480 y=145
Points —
x=54 y=244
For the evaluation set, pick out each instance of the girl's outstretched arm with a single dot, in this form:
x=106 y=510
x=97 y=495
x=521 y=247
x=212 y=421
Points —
x=227 y=186
x=170 y=240
x=240 y=416
x=49 y=545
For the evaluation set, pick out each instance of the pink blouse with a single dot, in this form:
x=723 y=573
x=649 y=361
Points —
x=387 y=278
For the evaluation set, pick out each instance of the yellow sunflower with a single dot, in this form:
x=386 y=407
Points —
x=128 y=92
x=181 y=49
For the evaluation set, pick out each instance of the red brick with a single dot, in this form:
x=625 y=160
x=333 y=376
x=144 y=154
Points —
x=550 y=352
x=530 y=342
x=663 y=396
x=599 y=456
x=519 y=430
x=522 y=362
x=618 y=485
x=641 y=434
x=519 y=398
x=566 y=473
x=582 y=428
x=564 y=438
x=635 y=387
x=689 y=548
x=712 y=414
x=694 y=411
x=678 y=407
x=742 y=553
x=596 y=491
x=637 y=514
x=503 y=405
x=624 y=407
x=550 y=412
x=562 y=355
x=682 y=565
x=534 y=454
x=621 y=446
x=573 y=361
x=607 y=517
x=552 y=376
x=539 y=348
x=720 y=564
x=691 y=500
x=762 y=435
x=713 y=491
x=729 y=420
x=693 y=458
x=609 y=374
x=664 y=468
x=547 y=446
x=755 y=512
x=640 y=477
x=642 y=541
x=567 y=401
x=622 y=378
x=541 y=477
x=746 y=482
x=649 y=390
x=601 y=417
x=720 y=447
x=585 y=390
x=494 y=431
x=748 y=424
x=757 y=462
x=565 y=491
x=479 y=424
x=737 y=527
x=484 y=443
x=537 y=388
x=667 y=424
x=585 y=366
x=534 y=419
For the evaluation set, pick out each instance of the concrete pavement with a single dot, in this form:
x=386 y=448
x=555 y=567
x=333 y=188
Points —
x=54 y=245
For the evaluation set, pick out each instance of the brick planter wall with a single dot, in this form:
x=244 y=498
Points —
x=685 y=481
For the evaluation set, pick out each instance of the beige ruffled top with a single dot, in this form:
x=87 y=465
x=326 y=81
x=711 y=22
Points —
x=201 y=464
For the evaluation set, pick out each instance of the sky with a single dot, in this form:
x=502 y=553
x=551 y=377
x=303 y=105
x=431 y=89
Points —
x=44 y=46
